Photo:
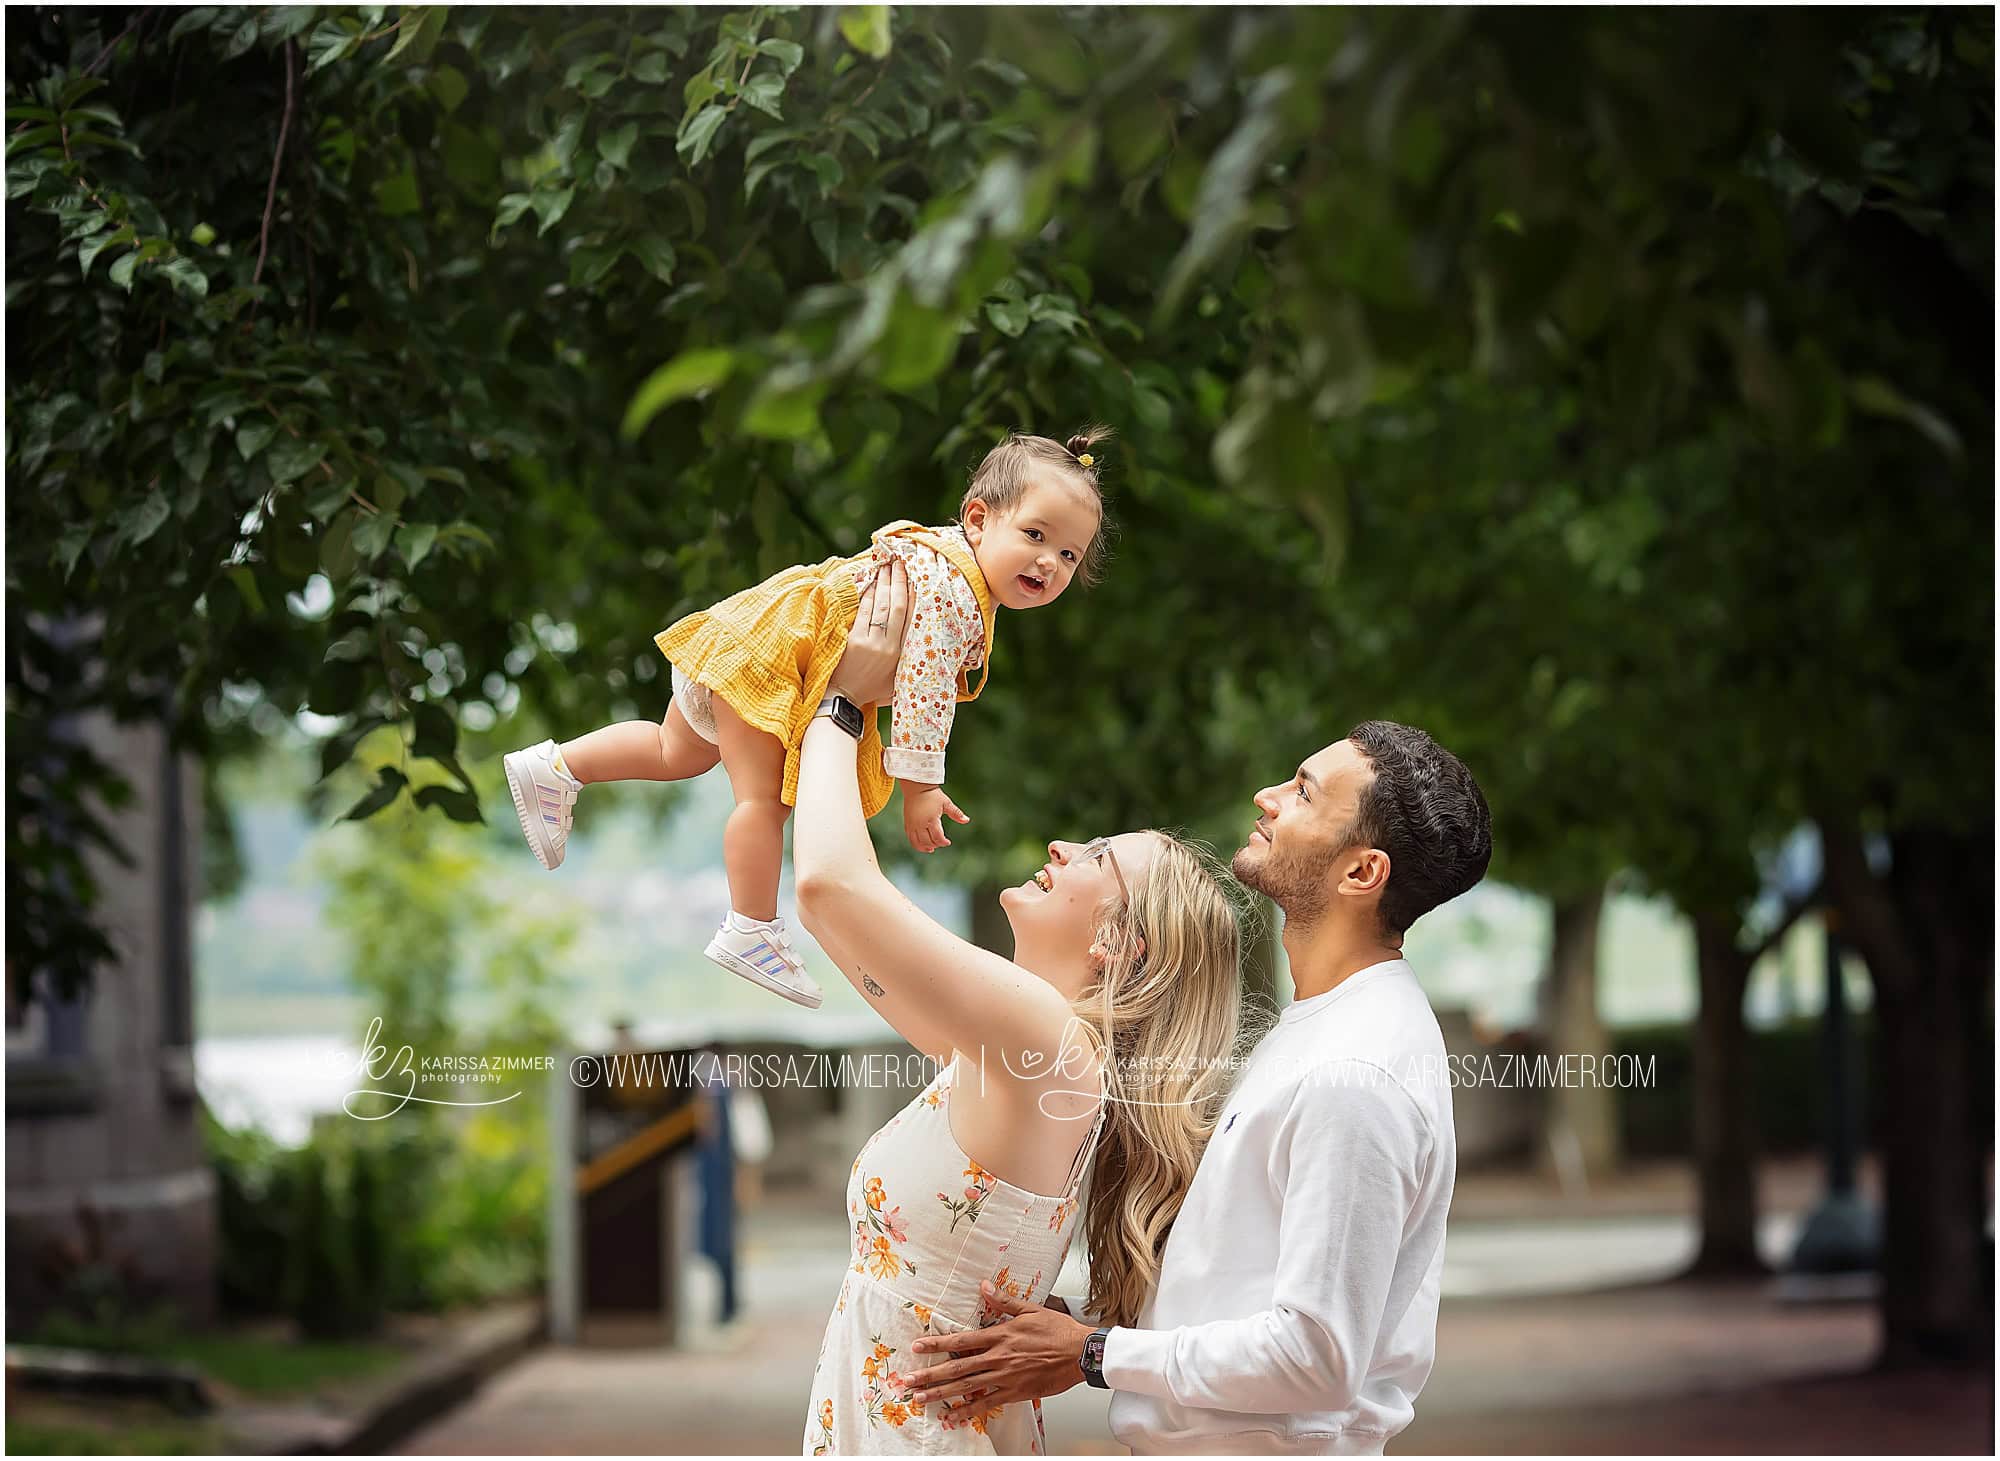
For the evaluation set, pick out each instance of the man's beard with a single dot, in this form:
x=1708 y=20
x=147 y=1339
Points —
x=1299 y=890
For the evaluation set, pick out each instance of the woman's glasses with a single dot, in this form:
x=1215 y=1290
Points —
x=1101 y=847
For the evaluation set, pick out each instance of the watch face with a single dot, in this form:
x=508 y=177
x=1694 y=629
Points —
x=843 y=713
x=1093 y=1358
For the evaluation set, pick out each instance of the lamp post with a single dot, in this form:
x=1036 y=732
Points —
x=1842 y=1234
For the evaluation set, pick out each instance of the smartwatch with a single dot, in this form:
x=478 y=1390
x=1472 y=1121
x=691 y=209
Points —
x=1093 y=1359
x=843 y=712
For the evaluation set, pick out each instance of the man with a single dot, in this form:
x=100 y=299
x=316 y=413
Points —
x=1296 y=1309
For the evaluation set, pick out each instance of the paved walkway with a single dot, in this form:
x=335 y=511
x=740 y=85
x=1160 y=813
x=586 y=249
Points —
x=1658 y=1368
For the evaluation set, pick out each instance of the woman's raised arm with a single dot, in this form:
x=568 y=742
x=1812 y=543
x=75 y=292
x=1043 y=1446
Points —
x=937 y=990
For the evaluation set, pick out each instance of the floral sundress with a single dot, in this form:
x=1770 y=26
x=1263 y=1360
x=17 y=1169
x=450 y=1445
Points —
x=930 y=1224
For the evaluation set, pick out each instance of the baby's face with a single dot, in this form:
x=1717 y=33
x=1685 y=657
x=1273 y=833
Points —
x=1030 y=555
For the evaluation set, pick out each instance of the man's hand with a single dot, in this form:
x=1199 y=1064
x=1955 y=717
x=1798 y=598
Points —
x=924 y=811
x=1032 y=1352
x=866 y=673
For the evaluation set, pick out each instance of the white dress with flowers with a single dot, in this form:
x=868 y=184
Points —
x=930 y=1224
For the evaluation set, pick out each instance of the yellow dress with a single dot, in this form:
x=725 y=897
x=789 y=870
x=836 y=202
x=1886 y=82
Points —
x=770 y=650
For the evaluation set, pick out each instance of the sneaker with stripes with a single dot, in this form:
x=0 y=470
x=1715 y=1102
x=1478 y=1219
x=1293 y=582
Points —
x=544 y=798
x=763 y=954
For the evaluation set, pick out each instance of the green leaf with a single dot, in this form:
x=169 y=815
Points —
x=191 y=450
x=436 y=732
x=615 y=146
x=329 y=41
x=121 y=271
x=202 y=234
x=336 y=548
x=550 y=206
x=69 y=548
x=89 y=249
x=372 y=535
x=691 y=373
x=449 y=86
x=253 y=436
x=461 y=531
x=826 y=167
x=246 y=587
x=789 y=53
x=763 y=91
x=409 y=28
x=785 y=406
x=698 y=133
x=460 y=806
x=651 y=68
x=186 y=276
x=413 y=541
x=1877 y=397
x=397 y=195
x=589 y=264
x=329 y=498
x=389 y=784
x=656 y=254
x=1009 y=316
x=193 y=19
x=292 y=458
x=339 y=749
x=866 y=28
x=143 y=518
x=511 y=207
x=756 y=174
x=244 y=38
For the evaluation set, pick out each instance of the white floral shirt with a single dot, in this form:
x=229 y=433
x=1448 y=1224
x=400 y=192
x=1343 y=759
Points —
x=946 y=635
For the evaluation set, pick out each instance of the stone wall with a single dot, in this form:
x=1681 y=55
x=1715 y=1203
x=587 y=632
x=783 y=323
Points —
x=106 y=1176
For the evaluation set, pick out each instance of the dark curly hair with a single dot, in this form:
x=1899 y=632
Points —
x=1424 y=809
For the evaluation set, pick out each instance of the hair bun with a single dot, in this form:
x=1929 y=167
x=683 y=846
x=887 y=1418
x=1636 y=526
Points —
x=1077 y=445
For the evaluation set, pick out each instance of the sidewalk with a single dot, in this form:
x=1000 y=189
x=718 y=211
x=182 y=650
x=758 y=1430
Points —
x=1661 y=1367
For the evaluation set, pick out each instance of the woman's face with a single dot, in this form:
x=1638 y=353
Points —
x=1055 y=913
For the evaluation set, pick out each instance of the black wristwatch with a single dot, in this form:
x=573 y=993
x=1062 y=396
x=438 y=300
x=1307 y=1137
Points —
x=843 y=712
x=1093 y=1359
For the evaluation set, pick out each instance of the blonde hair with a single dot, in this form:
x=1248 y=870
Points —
x=1003 y=478
x=1170 y=1024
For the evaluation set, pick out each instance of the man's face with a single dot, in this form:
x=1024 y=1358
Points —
x=1304 y=823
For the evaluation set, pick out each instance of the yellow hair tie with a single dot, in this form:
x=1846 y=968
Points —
x=1087 y=459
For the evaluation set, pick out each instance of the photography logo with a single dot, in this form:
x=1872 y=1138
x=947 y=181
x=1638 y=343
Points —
x=392 y=1080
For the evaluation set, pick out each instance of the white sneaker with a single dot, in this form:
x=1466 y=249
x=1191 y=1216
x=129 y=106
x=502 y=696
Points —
x=765 y=956
x=543 y=798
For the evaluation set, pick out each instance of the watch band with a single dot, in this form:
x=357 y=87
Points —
x=842 y=712
x=1092 y=1361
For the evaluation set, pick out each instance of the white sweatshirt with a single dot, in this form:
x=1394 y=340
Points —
x=1296 y=1310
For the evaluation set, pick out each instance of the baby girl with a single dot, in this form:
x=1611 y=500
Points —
x=751 y=673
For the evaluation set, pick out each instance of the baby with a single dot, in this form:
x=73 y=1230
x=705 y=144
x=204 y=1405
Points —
x=749 y=675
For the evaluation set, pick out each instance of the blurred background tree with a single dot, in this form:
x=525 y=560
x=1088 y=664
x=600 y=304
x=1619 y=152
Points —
x=1608 y=391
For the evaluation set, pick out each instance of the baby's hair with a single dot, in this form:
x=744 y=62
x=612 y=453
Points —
x=1002 y=480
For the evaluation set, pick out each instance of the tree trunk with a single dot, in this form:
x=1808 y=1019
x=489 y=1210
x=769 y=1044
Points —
x=990 y=929
x=1582 y=1119
x=1926 y=931
x=1725 y=1146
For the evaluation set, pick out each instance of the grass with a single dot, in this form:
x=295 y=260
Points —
x=41 y=1425
x=255 y=1361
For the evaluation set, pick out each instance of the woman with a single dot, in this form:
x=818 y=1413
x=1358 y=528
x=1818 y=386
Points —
x=1101 y=1049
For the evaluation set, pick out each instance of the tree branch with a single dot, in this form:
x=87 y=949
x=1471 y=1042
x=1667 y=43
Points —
x=1794 y=911
x=271 y=193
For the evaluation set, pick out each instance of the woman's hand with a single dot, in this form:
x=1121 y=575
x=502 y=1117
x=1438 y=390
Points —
x=866 y=673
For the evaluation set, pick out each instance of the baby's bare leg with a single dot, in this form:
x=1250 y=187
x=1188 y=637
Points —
x=753 y=844
x=639 y=750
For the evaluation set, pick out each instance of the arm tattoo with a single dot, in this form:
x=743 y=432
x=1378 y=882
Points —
x=871 y=986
